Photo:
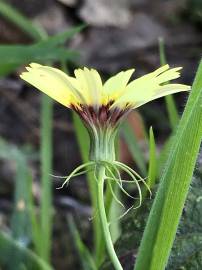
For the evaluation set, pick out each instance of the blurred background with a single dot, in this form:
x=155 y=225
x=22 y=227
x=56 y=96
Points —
x=117 y=35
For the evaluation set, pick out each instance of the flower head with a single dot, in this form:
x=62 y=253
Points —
x=98 y=103
x=102 y=106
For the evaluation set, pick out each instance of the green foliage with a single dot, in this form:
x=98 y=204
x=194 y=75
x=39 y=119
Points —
x=20 y=222
x=13 y=56
x=86 y=258
x=194 y=10
x=21 y=229
x=60 y=38
x=134 y=147
x=13 y=256
x=186 y=253
x=169 y=202
x=165 y=214
x=82 y=136
x=152 y=171
x=22 y=22
x=46 y=215
x=44 y=49
x=170 y=102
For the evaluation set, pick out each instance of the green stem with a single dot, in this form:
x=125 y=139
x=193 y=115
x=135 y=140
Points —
x=103 y=218
x=82 y=136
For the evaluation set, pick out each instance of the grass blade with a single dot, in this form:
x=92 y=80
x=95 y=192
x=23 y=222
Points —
x=61 y=38
x=84 y=254
x=134 y=147
x=20 y=221
x=24 y=226
x=170 y=102
x=21 y=21
x=152 y=174
x=27 y=259
x=167 y=208
x=12 y=56
x=82 y=136
x=46 y=168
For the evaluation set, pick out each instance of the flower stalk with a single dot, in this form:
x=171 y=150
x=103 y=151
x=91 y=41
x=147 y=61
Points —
x=103 y=218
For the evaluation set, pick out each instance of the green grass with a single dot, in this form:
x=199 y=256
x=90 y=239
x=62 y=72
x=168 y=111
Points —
x=152 y=170
x=134 y=148
x=170 y=102
x=167 y=208
x=12 y=252
x=44 y=49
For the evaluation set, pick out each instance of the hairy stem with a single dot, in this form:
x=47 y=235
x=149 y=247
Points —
x=103 y=218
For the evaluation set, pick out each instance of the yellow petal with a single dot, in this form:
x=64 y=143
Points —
x=163 y=91
x=170 y=74
x=52 y=82
x=149 y=87
x=94 y=84
x=116 y=85
x=90 y=85
x=160 y=70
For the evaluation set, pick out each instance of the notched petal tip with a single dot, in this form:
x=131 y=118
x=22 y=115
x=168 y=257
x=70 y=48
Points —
x=35 y=65
x=186 y=87
x=29 y=69
x=24 y=75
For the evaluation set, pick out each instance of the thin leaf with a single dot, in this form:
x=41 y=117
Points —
x=84 y=254
x=27 y=259
x=152 y=160
x=13 y=56
x=167 y=208
x=61 y=38
x=20 y=222
x=21 y=21
x=46 y=169
x=134 y=147
x=24 y=226
x=170 y=102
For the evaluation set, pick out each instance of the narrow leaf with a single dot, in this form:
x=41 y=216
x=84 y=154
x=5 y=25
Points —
x=170 y=102
x=134 y=147
x=21 y=21
x=46 y=170
x=20 y=54
x=84 y=254
x=61 y=38
x=167 y=208
x=27 y=259
x=152 y=160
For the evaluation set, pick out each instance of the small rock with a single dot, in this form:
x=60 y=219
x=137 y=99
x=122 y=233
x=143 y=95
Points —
x=110 y=49
x=106 y=12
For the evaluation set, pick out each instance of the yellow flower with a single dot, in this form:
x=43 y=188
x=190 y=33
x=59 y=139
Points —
x=98 y=102
x=102 y=107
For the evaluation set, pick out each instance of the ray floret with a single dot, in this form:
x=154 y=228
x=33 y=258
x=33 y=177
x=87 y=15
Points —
x=86 y=87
